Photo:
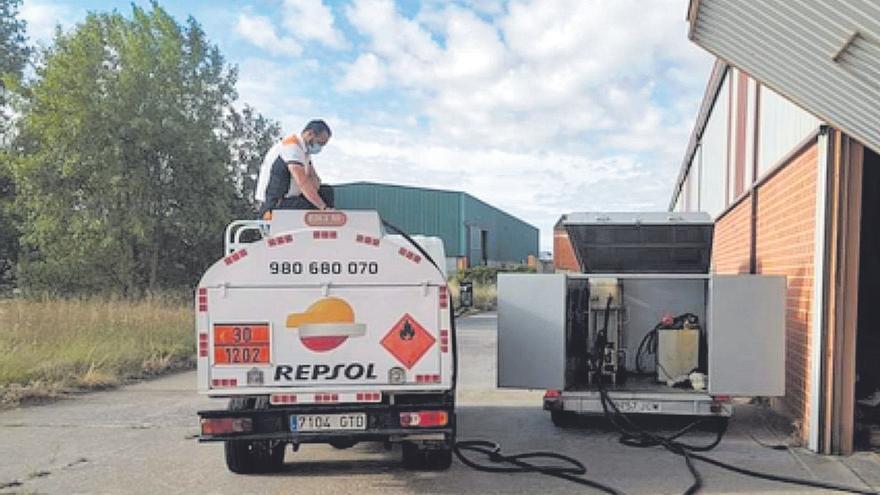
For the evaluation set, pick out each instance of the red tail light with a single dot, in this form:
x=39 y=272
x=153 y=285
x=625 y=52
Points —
x=552 y=394
x=424 y=419
x=222 y=426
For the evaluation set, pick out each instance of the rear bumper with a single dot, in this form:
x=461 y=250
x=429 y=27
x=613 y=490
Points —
x=670 y=404
x=383 y=423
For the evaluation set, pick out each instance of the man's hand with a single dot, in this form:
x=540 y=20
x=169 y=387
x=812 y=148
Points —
x=306 y=186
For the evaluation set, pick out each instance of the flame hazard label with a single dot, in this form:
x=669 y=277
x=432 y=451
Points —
x=408 y=341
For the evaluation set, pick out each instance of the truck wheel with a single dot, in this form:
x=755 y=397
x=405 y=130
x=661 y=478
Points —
x=439 y=459
x=252 y=457
x=413 y=457
x=563 y=419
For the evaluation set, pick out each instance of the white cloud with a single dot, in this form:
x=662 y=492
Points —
x=259 y=31
x=365 y=74
x=264 y=84
x=538 y=107
x=312 y=20
x=42 y=17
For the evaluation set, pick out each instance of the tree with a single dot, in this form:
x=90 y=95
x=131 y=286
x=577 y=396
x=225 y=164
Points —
x=14 y=54
x=250 y=135
x=127 y=178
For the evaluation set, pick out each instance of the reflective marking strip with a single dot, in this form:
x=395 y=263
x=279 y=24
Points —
x=368 y=240
x=427 y=378
x=444 y=340
x=368 y=397
x=282 y=399
x=325 y=398
x=280 y=240
x=444 y=297
x=232 y=258
x=324 y=234
x=203 y=344
x=224 y=382
x=203 y=299
x=406 y=253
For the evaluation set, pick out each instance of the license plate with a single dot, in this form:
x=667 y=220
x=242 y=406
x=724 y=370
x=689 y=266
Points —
x=328 y=422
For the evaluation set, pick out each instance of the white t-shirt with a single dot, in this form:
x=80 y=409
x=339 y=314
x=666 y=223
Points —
x=289 y=149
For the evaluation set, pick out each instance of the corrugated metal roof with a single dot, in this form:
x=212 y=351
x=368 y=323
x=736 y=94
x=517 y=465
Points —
x=446 y=214
x=824 y=56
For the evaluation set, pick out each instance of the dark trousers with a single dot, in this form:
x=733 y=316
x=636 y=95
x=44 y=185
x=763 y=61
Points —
x=300 y=202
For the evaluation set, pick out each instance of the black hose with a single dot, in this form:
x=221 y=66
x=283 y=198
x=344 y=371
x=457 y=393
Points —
x=573 y=471
x=633 y=435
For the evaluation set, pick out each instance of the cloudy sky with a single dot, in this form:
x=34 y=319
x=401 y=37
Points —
x=538 y=107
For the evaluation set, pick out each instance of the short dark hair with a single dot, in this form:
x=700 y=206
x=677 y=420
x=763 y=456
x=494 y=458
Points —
x=318 y=127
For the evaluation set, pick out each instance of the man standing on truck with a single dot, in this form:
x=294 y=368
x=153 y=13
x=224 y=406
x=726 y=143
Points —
x=288 y=179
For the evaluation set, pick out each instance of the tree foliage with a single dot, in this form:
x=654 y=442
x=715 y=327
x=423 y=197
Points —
x=14 y=54
x=130 y=168
x=250 y=135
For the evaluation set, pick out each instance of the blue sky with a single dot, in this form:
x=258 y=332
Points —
x=540 y=107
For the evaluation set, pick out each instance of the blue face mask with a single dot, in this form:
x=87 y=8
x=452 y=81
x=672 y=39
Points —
x=313 y=148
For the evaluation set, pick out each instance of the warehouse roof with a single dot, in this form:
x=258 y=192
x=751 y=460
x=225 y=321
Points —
x=823 y=56
x=438 y=190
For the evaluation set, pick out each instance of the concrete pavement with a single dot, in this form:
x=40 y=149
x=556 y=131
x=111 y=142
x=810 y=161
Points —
x=141 y=439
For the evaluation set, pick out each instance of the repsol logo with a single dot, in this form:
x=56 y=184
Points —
x=352 y=371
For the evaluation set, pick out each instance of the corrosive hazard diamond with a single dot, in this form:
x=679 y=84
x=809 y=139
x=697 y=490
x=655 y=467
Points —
x=408 y=341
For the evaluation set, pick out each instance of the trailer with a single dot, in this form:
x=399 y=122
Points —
x=322 y=327
x=645 y=323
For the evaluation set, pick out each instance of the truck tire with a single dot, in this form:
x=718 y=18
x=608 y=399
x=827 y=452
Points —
x=252 y=457
x=413 y=457
x=563 y=419
x=439 y=459
x=433 y=459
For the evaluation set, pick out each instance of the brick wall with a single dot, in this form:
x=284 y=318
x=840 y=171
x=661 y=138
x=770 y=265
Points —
x=563 y=253
x=784 y=246
x=731 y=244
x=785 y=238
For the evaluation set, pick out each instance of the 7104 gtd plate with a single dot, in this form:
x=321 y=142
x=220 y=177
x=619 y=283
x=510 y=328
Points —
x=328 y=422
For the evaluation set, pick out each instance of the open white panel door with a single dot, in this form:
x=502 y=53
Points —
x=747 y=335
x=531 y=331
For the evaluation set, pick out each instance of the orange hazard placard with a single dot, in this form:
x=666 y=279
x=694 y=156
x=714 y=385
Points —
x=408 y=341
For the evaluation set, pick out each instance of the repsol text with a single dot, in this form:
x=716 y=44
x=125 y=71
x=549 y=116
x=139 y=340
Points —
x=311 y=372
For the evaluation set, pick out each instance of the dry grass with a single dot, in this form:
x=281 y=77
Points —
x=51 y=346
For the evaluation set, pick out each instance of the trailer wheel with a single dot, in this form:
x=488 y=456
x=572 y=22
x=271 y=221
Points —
x=253 y=457
x=563 y=419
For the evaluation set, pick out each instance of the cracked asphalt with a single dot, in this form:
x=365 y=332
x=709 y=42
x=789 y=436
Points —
x=142 y=439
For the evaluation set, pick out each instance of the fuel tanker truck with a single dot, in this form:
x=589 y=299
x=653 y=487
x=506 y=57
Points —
x=324 y=327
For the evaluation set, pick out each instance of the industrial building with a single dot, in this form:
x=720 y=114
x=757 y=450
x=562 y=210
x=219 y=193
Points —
x=474 y=233
x=784 y=156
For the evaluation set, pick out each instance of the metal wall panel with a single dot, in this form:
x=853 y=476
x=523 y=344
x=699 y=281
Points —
x=415 y=210
x=783 y=125
x=824 y=56
x=446 y=214
x=509 y=239
x=746 y=338
x=713 y=154
x=531 y=331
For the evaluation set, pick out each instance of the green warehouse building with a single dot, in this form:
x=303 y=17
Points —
x=473 y=232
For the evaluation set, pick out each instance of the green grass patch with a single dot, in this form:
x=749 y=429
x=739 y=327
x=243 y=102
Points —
x=54 y=345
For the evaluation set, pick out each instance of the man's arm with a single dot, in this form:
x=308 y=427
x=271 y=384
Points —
x=307 y=186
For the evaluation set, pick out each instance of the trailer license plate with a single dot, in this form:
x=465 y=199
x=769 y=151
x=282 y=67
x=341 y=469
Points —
x=328 y=422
